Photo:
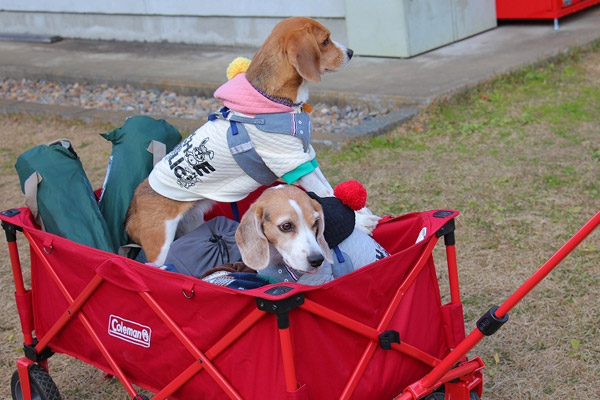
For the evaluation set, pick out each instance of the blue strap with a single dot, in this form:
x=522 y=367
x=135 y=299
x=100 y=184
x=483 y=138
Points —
x=338 y=254
x=234 y=129
x=341 y=265
x=242 y=149
x=295 y=124
x=245 y=155
x=235 y=211
x=224 y=111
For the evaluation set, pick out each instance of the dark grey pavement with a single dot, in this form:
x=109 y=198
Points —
x=408 y=84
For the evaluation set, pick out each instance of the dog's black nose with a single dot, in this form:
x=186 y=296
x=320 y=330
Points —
x=350 y=53
x=315 y=260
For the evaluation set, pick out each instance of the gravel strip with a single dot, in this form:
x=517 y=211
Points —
x=329 y=118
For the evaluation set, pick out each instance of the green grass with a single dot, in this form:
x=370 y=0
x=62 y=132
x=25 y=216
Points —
x=503 y=107
x=519 y=156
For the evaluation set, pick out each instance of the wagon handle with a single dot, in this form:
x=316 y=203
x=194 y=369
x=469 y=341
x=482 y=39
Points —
x=428 y=382
x=545 y=269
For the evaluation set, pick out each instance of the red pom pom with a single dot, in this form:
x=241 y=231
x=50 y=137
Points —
x=352 y=193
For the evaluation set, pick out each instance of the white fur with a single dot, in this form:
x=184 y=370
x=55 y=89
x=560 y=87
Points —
x=317 y=183
x=302 y=96
x=170 y=230
x=365 y=221
x=297 y=252
x=344 y=51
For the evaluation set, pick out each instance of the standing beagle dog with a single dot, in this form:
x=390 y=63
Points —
x=261 y=135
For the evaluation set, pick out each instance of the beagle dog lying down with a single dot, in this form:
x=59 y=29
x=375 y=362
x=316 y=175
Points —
x=284 y=235
x=262 y=134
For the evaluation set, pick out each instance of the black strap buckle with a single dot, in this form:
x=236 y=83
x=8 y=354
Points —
x=387 y=338
x=489 y=323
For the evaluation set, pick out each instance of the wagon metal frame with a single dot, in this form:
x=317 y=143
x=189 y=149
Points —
x=284 y=306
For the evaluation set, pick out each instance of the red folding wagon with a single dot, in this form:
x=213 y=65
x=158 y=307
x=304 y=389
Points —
x=377 y=333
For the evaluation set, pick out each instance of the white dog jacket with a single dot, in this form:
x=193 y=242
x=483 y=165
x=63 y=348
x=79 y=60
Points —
x=207 y=163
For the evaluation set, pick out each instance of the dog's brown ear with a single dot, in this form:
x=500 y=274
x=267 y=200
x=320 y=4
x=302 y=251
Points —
x=325 y=250
x=304 y=54
x=252 y=242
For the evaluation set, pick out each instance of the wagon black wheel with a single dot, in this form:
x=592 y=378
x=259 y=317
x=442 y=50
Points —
x=42 y=385
x=436 y=396
x=474 y=396
x=442 y=395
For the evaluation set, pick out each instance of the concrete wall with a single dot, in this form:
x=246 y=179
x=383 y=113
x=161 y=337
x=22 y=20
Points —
x=389 y=28
x=235 y=22
x=411 y=27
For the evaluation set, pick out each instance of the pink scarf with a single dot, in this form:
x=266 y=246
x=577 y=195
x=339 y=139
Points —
x=239 y=95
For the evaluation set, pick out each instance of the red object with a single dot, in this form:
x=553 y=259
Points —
x=352 y=193
x=540 y=9
x=179 y=337
x=371 y=334
x=421 y=387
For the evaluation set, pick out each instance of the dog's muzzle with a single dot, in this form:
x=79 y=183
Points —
x=315 y=260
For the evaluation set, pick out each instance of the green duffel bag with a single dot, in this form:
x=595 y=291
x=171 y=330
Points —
x=60 y=196
x=136 y=147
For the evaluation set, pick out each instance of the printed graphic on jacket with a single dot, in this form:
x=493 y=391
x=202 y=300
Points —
x=190 y=163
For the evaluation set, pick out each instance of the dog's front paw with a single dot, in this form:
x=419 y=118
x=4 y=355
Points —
x=366 y=221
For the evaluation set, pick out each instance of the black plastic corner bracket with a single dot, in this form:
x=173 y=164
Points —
x=387 y=338
x=488 y=324
x=33 y=355
x=448 y=227
x=11 y=231
x=281 y=308
x=447 y=231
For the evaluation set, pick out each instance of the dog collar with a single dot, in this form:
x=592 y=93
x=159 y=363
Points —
x=280 y=100
x=293 y=273
x=282 y=273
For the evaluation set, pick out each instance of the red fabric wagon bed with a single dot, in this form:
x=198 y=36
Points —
x=366 y=335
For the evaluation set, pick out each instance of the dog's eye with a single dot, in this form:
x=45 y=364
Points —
x=286 y=227
x=325 y=42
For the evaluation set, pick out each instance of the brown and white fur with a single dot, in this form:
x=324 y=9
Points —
x=299 y=50
x=283 y=226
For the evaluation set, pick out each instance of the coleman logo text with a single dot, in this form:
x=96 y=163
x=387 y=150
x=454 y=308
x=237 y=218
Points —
x=129 y=331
